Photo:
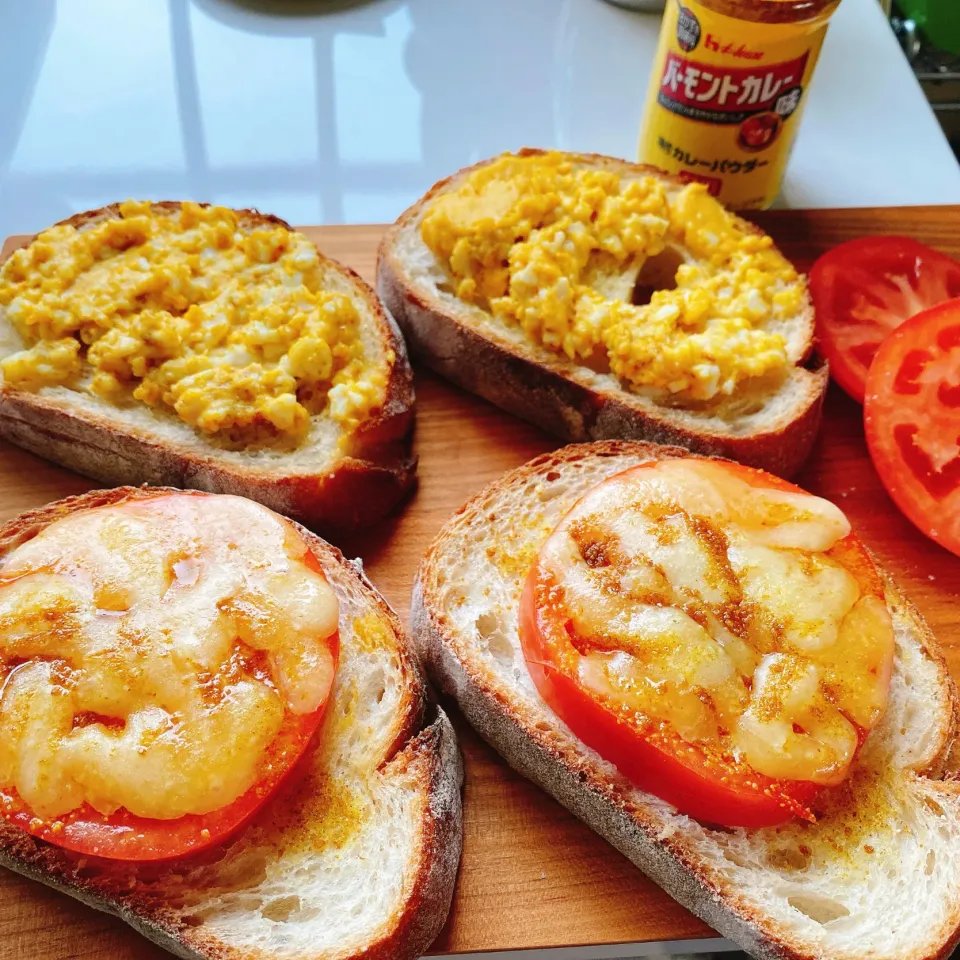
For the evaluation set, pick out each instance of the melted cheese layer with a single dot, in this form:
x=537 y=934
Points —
x=717 y=608
x=150 y=651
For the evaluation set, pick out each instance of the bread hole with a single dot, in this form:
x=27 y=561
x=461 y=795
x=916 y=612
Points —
x=657 y=273
x=734 y=857
x=934 y=807
x=552 y=476
x=490 y=629
x=819 y=909
x=546 y=493
x=247 y=871
x=748 y=408
x=381 y=693
x=200 y=915
x=790 y=858
x=930 y=862
x=281 y=909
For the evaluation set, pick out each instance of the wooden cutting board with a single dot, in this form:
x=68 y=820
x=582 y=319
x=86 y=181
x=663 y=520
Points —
x=531 y=875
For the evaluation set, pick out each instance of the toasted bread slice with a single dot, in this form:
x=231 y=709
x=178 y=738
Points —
x=771 y=426
x=331 y=482
x=356 y=855
x=875 y=879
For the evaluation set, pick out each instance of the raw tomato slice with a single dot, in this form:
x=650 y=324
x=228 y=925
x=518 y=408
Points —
x=864 y=289
x=912 y=419
x=700 y=783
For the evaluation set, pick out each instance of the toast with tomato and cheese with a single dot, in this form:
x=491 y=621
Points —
x=704 y=663
x=189 y=345
x=211 y=726
x=601 y=299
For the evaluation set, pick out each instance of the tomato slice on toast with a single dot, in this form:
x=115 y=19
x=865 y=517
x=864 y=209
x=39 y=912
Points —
x=706 y=781
x=120 y=834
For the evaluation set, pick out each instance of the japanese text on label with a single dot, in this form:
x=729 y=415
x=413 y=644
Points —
x=714 y=94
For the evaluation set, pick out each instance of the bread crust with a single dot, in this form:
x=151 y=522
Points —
x=549 y=393
x=377 y=467
x=607 y=803
x=424 y=747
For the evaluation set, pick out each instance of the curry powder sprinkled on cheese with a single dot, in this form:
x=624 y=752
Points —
x=546 y=244
x=186 y=309
x=723 y=615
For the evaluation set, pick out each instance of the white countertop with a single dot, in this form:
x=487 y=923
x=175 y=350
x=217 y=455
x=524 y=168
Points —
x=346 y=112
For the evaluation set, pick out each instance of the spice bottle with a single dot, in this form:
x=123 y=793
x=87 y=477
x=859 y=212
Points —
x=730 y=81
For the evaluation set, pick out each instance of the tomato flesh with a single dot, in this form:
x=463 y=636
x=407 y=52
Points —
x=912 y=421
x=864 y=289
x=124 y=836
x=698 y=783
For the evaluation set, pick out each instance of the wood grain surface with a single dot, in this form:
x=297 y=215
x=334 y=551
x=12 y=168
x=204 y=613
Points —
x=532 y=875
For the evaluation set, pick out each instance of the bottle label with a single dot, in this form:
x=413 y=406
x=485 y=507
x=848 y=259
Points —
x=702 y=91
x=725 y=100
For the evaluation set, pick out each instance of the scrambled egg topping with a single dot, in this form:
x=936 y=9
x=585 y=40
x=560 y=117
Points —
x=229 y=327
x=537 y=239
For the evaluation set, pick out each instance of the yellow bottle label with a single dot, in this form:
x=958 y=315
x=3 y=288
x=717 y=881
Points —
x=725 y=100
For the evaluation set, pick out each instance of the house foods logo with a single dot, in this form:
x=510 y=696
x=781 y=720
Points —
x=688 y=29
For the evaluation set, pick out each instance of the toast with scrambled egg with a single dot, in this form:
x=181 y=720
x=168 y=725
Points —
x=197 y=346
x=875 y=877
x=356 y=855
x=602 y=299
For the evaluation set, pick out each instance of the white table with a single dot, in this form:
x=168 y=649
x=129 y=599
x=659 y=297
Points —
x=345 y=112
